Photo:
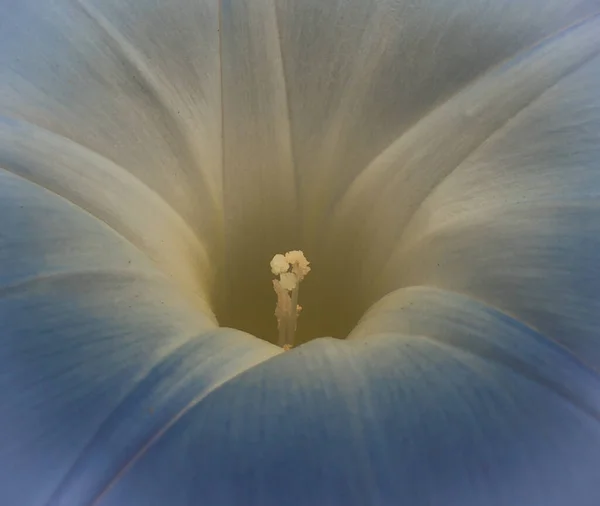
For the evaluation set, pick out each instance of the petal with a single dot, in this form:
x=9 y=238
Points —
x=516 y=224
x=361 y=73
x=94 y=335
x=93 y=73
x=462 y=405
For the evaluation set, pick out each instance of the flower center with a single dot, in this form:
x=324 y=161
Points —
x=333 y=295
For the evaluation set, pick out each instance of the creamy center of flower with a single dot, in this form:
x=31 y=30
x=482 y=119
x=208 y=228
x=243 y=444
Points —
x=333 y=295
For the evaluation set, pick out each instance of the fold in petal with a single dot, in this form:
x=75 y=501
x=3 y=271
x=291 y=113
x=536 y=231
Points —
x=259 y=178
x=517 y=224
x=437 y=399
x=361 y=73
x=135 y=83
x=98 y=347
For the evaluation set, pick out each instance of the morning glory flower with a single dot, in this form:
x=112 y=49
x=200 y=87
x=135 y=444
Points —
x=436 y=160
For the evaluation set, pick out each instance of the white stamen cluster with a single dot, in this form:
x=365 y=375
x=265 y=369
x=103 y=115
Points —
x=291 y=269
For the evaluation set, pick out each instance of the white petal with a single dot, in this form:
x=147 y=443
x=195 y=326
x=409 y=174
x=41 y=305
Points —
x=518 y=223
x=459 y=395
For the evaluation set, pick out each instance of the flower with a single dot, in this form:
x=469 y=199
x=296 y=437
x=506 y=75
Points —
x=436 y=160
